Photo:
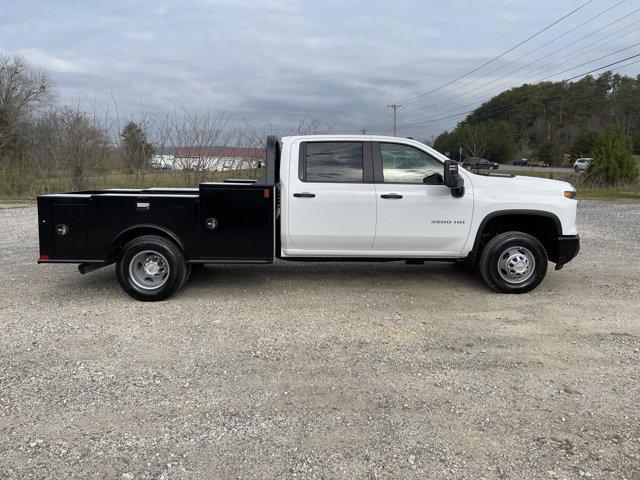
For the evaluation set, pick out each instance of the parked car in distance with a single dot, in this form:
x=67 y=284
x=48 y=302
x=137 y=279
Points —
x=538 y=163
x=476 y=163
x=158 y=165
x=523 y=162
x=581 y=164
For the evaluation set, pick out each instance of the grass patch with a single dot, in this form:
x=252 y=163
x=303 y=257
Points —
x=164 y=178
x=8 y=202
x=609 y=194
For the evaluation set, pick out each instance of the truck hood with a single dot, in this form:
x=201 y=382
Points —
x=520 y=183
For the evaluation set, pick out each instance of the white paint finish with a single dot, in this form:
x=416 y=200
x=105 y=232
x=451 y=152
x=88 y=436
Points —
x=341 y=216
x=493 y=194
x=294 y=252
x=337 y=225
x=427 y=219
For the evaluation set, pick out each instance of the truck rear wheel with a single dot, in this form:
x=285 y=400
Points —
x=513 y=262
x=151 y=268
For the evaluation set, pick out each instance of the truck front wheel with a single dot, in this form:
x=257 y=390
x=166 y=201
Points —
x=151 y=268
x=513 y=262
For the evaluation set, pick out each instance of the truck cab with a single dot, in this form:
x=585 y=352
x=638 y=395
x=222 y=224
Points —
x=330 y=197
x=386 y=197
x=369 y=197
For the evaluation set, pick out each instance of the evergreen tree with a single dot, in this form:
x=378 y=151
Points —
x=448 y=142
x=136 y=150
x=501 y=141
x=561 y=108
x=635 y=142
x=550 y=152
x=613 y=162
x=585 y=143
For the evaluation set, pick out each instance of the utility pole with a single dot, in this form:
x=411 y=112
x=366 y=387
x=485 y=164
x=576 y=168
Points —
x=364 y=131
x=395 y=107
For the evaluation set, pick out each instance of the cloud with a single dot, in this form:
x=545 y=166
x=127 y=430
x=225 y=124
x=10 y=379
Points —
x=141 y=36
x=271 y=60
x=252 y=4
x=51 y=62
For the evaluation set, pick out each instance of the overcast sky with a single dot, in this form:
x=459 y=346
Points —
x=269 y=61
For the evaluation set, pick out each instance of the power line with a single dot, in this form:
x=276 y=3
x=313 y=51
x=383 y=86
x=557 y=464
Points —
x=504 y=108
x=602 y=68
x=382 y=120
x=551 y=41
x=599 y=58
x=542 y=58
x=539 y=70
x=412 y=99
x=617 y=37
x=379 y=118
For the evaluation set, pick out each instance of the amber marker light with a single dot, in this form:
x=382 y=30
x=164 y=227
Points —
x=570 y=194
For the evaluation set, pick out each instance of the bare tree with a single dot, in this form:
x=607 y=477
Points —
x=71 y=141
x=24 y=92
x=23 y=89
x=198 y=140
x=307 y=125
x=473 y=139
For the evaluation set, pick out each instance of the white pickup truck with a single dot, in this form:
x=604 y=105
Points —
x=330 y=197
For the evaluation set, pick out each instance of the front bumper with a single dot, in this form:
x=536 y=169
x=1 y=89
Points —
x=567 y=248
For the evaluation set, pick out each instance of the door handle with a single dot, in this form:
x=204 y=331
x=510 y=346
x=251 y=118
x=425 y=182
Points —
x=304 y=195
x=391 y=195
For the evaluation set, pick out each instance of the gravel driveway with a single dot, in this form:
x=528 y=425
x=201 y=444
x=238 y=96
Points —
x=324 y=370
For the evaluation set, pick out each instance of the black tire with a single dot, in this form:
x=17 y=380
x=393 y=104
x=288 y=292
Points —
x=171 y=255
x=508 y=246
x=187 y=274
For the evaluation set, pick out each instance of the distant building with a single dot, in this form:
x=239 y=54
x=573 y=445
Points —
x=210 y=158
x=162 y=162
x=218 y=158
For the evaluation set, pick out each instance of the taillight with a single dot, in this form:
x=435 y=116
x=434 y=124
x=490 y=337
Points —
x=44 y=258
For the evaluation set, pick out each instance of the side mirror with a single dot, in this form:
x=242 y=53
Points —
x=452 y=178
x=433 y=179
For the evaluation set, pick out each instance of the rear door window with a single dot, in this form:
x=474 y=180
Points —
x=332 y=162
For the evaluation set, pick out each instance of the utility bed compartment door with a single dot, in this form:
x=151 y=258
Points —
x=237 y=222
x=69 y=230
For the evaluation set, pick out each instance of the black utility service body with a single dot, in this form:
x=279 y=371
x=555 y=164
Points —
x=229 y=222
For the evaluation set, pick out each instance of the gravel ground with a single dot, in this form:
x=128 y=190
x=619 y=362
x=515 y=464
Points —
x=324 y=370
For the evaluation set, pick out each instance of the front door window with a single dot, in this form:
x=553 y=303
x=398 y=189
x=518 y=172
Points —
x=406 y=164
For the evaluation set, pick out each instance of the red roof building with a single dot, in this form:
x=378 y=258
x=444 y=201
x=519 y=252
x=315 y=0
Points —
x=219 y=152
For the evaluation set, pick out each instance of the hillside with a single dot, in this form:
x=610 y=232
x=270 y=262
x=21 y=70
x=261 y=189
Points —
x=553 y=116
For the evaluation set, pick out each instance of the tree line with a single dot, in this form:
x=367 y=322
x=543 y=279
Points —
x=43 y=140
x=47 y=146
x=555 y=122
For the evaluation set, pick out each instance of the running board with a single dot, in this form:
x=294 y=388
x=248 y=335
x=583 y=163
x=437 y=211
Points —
x=91 y=267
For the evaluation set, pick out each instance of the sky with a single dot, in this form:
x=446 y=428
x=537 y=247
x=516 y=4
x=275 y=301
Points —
x=269 y=62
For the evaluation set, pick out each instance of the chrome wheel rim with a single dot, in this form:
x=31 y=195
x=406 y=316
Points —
x=516 y=264
x=149 y=270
